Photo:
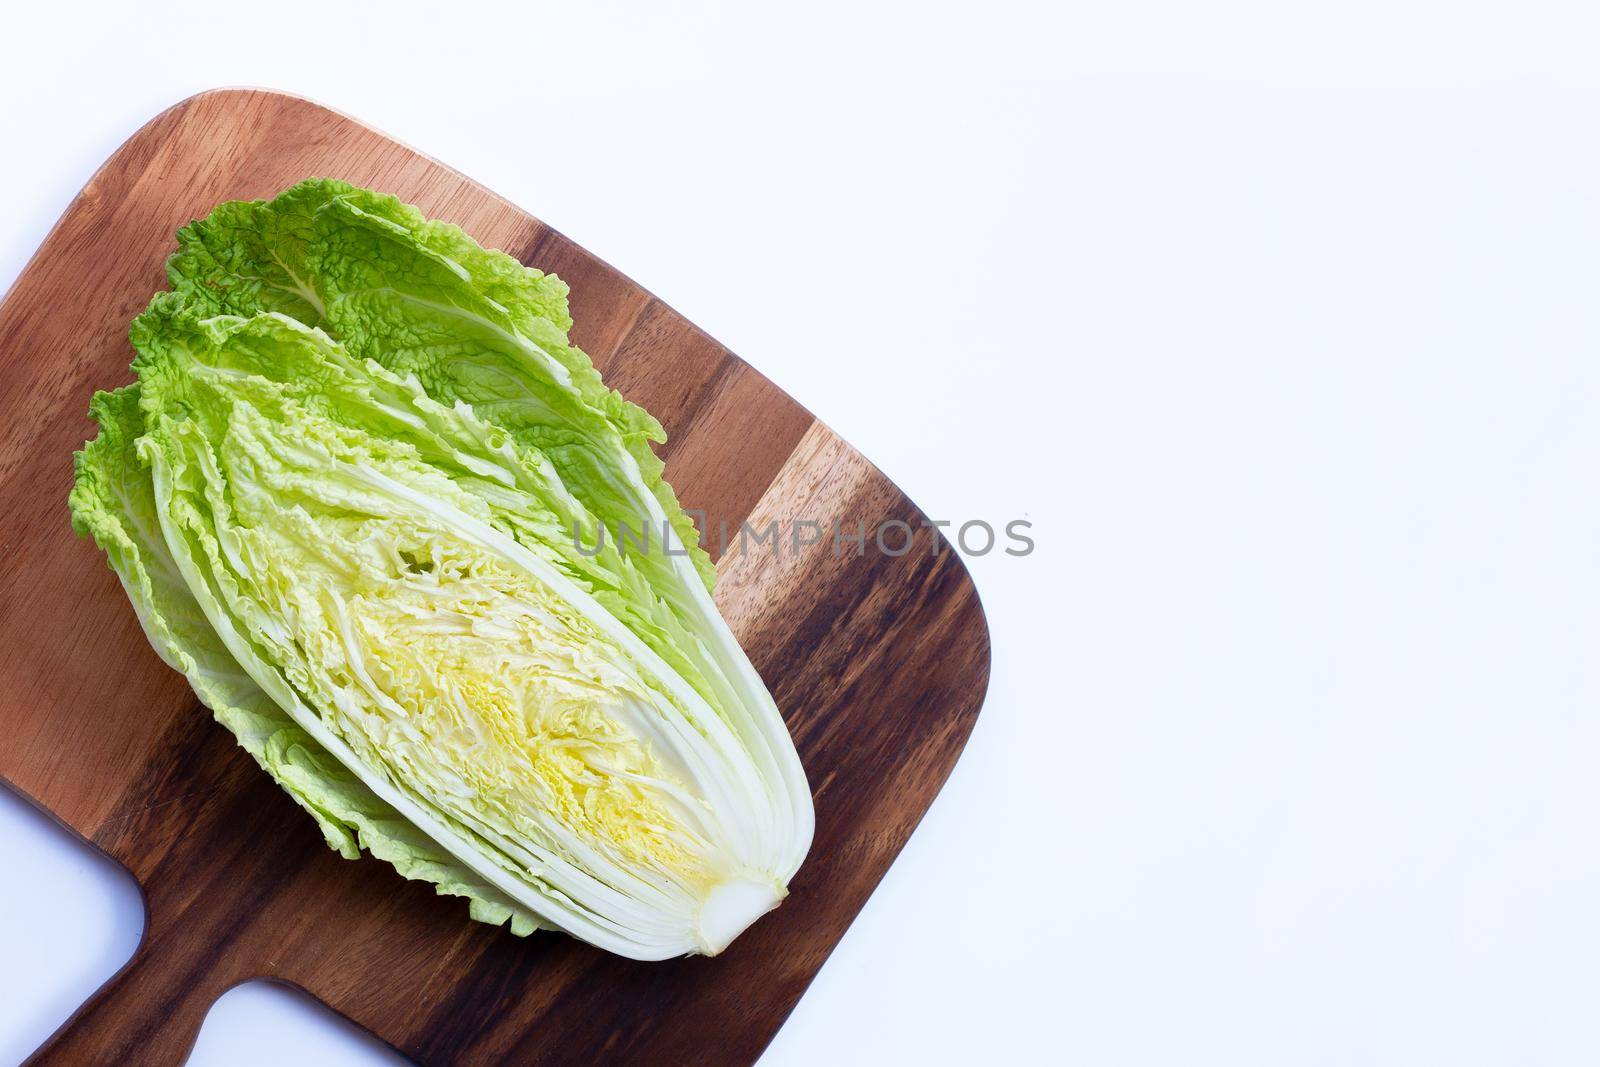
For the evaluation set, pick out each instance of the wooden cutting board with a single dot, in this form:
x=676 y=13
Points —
x=880 y=662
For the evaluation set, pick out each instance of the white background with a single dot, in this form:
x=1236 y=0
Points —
x=1278 y=321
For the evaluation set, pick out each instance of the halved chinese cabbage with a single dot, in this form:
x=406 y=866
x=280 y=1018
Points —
x=379 y=536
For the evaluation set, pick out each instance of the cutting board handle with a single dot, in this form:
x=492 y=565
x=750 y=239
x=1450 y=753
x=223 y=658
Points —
x=149 y=1013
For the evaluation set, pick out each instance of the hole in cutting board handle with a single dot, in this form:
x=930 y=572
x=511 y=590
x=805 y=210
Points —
x=270 y=1023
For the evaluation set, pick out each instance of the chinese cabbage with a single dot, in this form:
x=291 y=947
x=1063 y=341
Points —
x=345 y=498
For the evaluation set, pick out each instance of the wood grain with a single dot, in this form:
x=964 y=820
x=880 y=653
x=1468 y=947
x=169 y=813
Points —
x=879 y=662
